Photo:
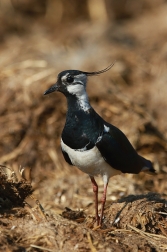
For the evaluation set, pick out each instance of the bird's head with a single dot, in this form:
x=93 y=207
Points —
x=73 y=81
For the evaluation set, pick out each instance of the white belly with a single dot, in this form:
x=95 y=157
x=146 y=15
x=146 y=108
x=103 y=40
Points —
x=90 y=162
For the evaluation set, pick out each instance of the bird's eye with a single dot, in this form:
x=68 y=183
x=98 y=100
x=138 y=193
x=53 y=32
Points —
x=70 y=79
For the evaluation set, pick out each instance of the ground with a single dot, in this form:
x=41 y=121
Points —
x=45 y=204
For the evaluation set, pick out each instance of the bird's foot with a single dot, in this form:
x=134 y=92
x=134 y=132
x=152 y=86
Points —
x=99 y=223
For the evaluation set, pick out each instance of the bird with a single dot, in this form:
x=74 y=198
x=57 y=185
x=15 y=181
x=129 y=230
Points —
x=90 y=143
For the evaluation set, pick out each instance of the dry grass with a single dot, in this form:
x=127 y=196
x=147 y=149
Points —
x=132 y=96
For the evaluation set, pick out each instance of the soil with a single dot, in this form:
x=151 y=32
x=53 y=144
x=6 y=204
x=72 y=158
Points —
x=45 y=204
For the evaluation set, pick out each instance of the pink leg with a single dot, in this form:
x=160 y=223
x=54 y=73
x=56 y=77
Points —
x=103 y=200
x=95 y=190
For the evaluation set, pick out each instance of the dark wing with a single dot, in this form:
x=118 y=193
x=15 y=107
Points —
x=66 y=157
x=118 y=151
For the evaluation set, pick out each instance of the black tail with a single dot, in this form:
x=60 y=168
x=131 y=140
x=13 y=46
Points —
x=148 y=166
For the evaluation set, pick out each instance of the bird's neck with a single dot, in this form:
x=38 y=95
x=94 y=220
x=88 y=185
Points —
x=80 y=102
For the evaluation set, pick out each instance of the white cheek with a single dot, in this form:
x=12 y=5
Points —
x=77 y=89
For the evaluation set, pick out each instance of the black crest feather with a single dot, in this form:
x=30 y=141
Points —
x=99 y=72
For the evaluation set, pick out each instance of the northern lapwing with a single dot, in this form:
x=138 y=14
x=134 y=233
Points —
x=95 y=146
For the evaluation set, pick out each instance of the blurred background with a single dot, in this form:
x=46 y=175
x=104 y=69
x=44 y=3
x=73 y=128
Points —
x=40 y=38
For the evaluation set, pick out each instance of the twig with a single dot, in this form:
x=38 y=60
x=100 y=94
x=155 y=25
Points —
x=17 y=151
x=40 y=247
x=41 y=210
x=152 y=238
x=112 y=231
x=96 y=228
x=38 y=76
x=160 y=212
x=54 y=157
x=33 y=214
x=146 y=234
x=90 y=243
x=162 y=230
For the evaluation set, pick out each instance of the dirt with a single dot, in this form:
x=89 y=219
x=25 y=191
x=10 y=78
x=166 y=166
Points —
x=45 y=204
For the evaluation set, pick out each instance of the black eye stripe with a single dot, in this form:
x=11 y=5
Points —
x=78 y=82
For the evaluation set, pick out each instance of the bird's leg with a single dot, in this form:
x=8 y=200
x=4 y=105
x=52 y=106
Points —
x=103 y=201
x=95 y=190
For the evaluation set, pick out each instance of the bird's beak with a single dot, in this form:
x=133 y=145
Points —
x=51 y=89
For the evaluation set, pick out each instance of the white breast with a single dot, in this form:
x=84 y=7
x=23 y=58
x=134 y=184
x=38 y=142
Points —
x=90 y=162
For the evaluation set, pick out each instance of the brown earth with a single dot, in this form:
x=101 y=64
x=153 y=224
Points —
x=46 y=205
